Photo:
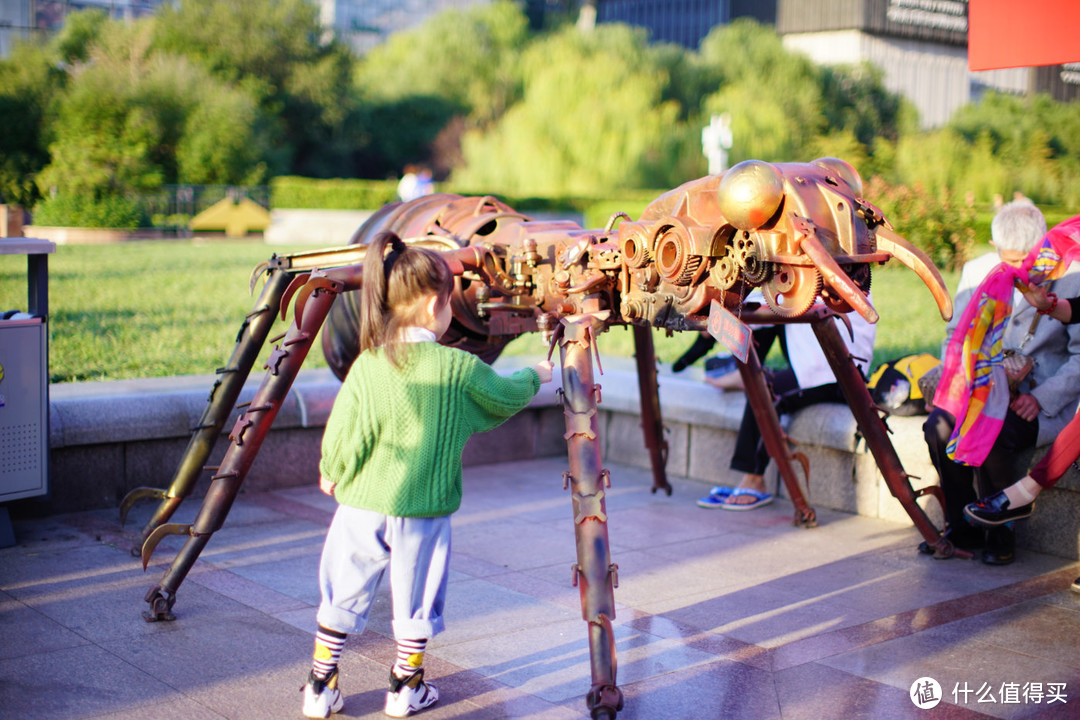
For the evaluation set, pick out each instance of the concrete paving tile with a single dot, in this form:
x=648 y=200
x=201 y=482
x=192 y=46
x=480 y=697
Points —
x=663 y=522
x=956 y=661
x=713 y=643
x=256 y=595
x=480 y=609
x=474 y=567
x=517 y=545
x=26 y=572
x=769 y=618
x=81 y=682
x=466 y=693
x=718 y=614
x=237 y=545
x=719 y=689
x=292 y=572
x=562 y=594
x=179 y=708
x=110 y=606
x=1034 y=628
x=300 y=618
x=647 y=577
x=24 y=631
x=478 y=508
x=818 y=691
x=552 y=661
x=308 y=495
x=197 y=657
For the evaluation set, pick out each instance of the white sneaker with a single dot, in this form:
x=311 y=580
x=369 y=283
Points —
x=322 y=697
x=409 y=695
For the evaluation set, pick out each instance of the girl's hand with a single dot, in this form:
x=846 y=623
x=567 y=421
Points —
x=326 y=486
x=543 y=369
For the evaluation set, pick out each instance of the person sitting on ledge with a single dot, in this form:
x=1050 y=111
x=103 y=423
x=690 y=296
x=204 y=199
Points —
x=1044 y=401
x=1018 y=500
x=808 y=380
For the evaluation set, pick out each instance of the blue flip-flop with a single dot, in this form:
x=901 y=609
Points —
x=716 y=497
x=760 y=498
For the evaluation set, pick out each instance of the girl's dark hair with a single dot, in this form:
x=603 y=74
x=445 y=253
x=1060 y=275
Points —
x=394 y=291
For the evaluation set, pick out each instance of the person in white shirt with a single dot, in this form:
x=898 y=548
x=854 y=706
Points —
x=808 y=380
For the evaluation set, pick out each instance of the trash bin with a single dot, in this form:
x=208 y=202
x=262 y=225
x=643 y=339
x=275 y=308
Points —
x=24 y=384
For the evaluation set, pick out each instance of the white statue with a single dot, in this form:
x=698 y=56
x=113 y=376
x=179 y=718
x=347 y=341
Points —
x=715 y=142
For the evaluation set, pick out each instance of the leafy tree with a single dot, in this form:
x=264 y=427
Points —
x=855 y=100
x=591 y=119
x=1035 y=140
x=28 y=83
x=132 y=118
x=467 y=57
x=784 y=108
x=774 y=96
x=459 y=70
x=276 y=51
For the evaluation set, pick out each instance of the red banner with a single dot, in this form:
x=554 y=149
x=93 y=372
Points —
x=1022 y=33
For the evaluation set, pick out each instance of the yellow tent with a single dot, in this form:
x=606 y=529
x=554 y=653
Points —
x=235 y=218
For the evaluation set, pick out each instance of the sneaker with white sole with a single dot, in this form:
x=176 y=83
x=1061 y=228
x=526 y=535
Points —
x=409 y=695
x=321 y=696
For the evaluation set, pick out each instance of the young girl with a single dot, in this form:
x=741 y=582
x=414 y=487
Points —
x=391 y=456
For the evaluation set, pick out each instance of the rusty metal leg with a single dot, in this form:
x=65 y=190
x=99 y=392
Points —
x=652 y=425
x=874 y=430
x=593 y=573
x=761 y=403
x=245 y=439
x=222 y=400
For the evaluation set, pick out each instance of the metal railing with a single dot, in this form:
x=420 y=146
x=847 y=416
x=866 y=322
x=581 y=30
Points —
x=173 y=206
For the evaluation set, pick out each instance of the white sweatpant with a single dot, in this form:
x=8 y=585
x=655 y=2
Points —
x=360 y=544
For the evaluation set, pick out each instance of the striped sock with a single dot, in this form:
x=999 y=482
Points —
x=328 y=646
x=410 y=657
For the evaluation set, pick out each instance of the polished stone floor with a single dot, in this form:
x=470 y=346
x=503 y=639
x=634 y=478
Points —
x=720 y=615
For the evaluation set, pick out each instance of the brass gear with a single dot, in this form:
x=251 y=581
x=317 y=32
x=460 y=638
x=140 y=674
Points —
x=725 y=272
x=755 y=269
x=792 y=289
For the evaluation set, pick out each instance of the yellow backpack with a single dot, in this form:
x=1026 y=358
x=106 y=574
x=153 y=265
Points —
x=894 y=385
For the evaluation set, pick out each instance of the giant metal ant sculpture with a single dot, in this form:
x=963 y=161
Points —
x=800 y=232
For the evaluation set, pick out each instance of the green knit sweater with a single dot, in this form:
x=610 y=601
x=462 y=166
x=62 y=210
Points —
x=394 y=438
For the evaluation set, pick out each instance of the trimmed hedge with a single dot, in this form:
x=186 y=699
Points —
x=289 y=191
x=64 y=210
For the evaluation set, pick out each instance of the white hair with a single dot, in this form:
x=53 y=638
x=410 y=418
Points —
x=1018 y=226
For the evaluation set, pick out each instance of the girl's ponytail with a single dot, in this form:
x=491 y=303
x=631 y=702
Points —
x=394 y=289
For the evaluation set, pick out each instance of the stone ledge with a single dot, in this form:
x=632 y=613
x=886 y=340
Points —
x=702 y=424
x=109 y=437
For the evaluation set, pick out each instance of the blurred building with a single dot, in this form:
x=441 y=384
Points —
x=20 y=19
x=684 y=22
x=921 y=45
x=363 y=24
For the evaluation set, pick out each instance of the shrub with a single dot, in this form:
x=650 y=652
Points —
x=307 y=193
x=69 y=210
x=938 y=224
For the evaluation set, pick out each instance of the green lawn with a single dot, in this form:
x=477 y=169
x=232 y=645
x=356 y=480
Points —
x=160 y=308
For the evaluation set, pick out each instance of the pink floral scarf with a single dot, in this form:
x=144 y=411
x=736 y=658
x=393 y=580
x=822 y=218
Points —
x=973 y=386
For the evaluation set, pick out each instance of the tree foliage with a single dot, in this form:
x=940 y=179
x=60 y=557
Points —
x=242 y=91
x=425 y=86
x=27 y=85
x=469 y=58
x=275 y=51
x=132 y=118
x=591 y=118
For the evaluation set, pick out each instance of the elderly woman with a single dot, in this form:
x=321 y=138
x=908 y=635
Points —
x=1046 y=399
